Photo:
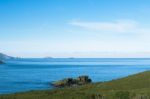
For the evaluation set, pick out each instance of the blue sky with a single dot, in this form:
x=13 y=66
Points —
x=75 y=28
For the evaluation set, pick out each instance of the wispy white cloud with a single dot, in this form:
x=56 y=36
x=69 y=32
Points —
x=119 y=26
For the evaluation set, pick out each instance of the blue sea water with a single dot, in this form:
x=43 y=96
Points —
x=21 y=75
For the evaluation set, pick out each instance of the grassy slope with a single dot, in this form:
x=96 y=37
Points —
x=138 y=84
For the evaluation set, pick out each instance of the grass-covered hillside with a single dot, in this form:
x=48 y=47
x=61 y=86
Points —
x=133 y=87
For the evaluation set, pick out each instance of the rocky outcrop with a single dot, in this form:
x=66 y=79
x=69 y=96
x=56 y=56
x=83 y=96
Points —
x=70 y=82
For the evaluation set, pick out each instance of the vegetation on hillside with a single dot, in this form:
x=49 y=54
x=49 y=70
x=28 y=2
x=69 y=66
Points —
x=132 y=87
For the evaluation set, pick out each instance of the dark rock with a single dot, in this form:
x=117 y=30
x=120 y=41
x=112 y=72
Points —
x=83 y=80
x=70 y=82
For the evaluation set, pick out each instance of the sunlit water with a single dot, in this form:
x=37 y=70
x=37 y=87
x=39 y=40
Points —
x=36 y=74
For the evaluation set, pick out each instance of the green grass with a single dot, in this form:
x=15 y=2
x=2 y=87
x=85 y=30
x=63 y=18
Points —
x=131 y=87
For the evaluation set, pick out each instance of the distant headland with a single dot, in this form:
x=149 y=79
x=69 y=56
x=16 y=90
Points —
x=5 y=57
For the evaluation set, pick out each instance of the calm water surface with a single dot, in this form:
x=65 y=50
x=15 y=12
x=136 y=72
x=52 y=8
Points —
x=33 y=74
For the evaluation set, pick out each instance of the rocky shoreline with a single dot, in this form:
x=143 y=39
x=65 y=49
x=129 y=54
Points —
x=72 y=82
x=131 y=87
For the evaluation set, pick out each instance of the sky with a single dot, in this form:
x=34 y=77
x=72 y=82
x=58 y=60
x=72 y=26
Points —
x=75 y=28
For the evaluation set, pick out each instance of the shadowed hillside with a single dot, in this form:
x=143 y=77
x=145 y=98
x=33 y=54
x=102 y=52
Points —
x=5 y=57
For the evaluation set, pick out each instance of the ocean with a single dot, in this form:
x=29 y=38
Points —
x=19 y=75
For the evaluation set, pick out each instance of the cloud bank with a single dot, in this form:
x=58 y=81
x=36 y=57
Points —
x=119 y=26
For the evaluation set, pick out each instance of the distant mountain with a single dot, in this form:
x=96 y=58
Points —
x=48 y=57
x=5 y=57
